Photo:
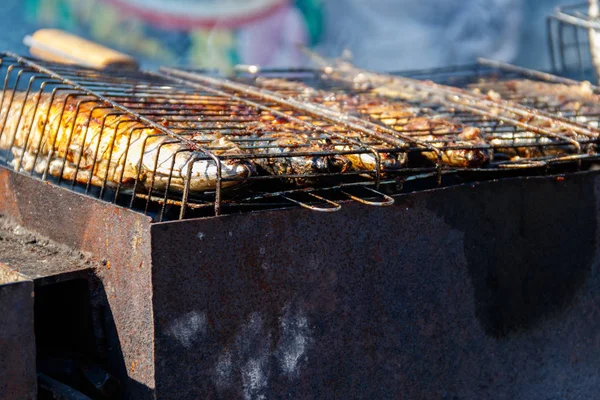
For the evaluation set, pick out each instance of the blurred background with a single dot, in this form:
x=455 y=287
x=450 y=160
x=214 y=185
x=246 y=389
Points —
x=384 y=35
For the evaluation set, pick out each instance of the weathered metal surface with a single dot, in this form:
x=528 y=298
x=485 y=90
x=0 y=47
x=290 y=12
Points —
x=38 y=258
x=480 y=291
x=17 y=341
x=117 y=237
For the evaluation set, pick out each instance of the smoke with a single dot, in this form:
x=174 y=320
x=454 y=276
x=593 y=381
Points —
x=388 y=35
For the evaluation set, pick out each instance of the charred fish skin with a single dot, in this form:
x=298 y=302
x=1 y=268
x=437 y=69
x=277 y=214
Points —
x=102 y=145
x=277 y=145
x=357 y=155
x=388 y=162
x=459 y=146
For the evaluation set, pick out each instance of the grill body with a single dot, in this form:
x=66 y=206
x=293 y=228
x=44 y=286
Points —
x=474 y=291
x=17 y=341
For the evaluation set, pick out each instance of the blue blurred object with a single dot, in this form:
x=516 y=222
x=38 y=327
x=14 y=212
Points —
x=13 y=26
x=381 y=34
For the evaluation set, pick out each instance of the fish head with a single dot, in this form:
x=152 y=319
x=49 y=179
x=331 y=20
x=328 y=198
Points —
x=326 y=164
x=393 y=161
x=465 y=158
x=338 y=163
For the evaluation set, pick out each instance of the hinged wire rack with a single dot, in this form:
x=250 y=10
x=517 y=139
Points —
x=179 y=144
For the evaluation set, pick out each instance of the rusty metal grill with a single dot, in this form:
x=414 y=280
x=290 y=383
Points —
x=180 y=144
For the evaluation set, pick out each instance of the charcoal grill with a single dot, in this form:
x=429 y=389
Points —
x=445 y=292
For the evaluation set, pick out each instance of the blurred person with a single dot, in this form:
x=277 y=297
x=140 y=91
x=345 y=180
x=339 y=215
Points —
x=200 y=33
x=381 y=34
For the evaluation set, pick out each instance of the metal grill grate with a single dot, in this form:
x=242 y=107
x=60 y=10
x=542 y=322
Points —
x=180 y=144
x=515 y=130
x=562 y=97
x=151 y=143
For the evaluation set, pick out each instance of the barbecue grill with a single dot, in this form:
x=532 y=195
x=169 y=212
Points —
x=191 y=109
x=444 y=292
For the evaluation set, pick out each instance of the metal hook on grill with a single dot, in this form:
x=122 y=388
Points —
x=336 y=206
x=388 y=200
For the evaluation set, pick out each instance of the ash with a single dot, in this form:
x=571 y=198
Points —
x=36 y=256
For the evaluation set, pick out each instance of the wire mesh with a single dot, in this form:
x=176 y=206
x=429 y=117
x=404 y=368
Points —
x=504 y=137
x=180 y=144
x=563 y=98
x=151 y=143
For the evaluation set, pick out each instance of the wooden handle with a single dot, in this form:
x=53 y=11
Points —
x=60 y=46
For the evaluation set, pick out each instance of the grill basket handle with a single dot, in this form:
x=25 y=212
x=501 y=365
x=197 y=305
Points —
x=59 y=46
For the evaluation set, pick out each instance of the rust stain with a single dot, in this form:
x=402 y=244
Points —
x=97 y=229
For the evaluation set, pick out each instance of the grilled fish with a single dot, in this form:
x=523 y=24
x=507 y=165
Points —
x=94 y=144
x=294 y=153
x=518 y=144
x=576 y=98
x=460 y=146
